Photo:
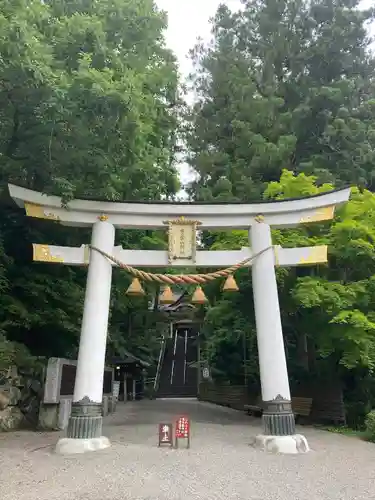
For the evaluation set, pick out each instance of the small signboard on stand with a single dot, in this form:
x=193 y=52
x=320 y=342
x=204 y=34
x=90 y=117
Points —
x=183 y=431
x=166 y=434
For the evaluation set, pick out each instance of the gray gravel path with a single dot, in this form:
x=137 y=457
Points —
x=220 y=464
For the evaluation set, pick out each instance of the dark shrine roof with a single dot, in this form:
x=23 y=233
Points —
x=181 y=300
x=128 y=359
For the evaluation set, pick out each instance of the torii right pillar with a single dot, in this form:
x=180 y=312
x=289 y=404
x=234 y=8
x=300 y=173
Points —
x=279 y=434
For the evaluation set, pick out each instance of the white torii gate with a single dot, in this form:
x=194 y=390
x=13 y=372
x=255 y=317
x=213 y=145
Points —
x=85 y=424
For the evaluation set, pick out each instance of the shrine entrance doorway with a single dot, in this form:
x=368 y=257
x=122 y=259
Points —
x=177 y=371
x=182 y=221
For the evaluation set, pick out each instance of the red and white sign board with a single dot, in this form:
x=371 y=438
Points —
x=182 y=430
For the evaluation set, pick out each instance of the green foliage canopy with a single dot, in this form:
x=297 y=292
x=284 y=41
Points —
x=88 y=108
x=283 y=84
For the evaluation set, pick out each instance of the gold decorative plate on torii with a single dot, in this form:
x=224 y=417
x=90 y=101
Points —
x=182 y=239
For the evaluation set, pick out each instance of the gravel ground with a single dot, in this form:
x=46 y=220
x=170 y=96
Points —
x=219 y=465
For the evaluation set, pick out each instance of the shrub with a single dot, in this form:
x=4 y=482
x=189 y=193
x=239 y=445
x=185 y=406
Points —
x=370 y=424
x=13 y=353
x=149 y=392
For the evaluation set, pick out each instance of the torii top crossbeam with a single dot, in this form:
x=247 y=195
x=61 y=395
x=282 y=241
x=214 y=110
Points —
x=153 y=215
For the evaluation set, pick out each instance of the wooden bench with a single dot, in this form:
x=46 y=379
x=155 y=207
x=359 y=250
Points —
x=301 y=407
x=254 y=409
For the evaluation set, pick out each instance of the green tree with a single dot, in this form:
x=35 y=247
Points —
x=89 y=94
x=327 y=308
x=337 y=296
x=283 y=84
x=287 y=88
x=88 y=108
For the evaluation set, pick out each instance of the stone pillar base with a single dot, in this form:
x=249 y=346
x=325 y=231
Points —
x=278 y=424
x=278 y=417
x=84 y=429
x=86 y=420
x=69 y=446
x=282 y=444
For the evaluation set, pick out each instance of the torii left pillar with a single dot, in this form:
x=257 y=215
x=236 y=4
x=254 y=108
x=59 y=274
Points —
x=85 y=423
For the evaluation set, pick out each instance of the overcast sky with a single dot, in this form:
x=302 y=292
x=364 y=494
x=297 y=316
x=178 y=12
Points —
x=188 y=20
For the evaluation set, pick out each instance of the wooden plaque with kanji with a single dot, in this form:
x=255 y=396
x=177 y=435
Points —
x=166 y=434
x=183 y=430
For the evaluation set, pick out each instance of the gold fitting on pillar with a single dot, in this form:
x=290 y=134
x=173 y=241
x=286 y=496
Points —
x=276 y=253
x=259 y=218
x=103 y=217
x=135 y=289
x=198 y=296
x=167 y=296
x=230 y=284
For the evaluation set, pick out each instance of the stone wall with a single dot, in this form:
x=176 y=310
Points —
x=21 y=392
x=41 y=397
x=11 y=416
